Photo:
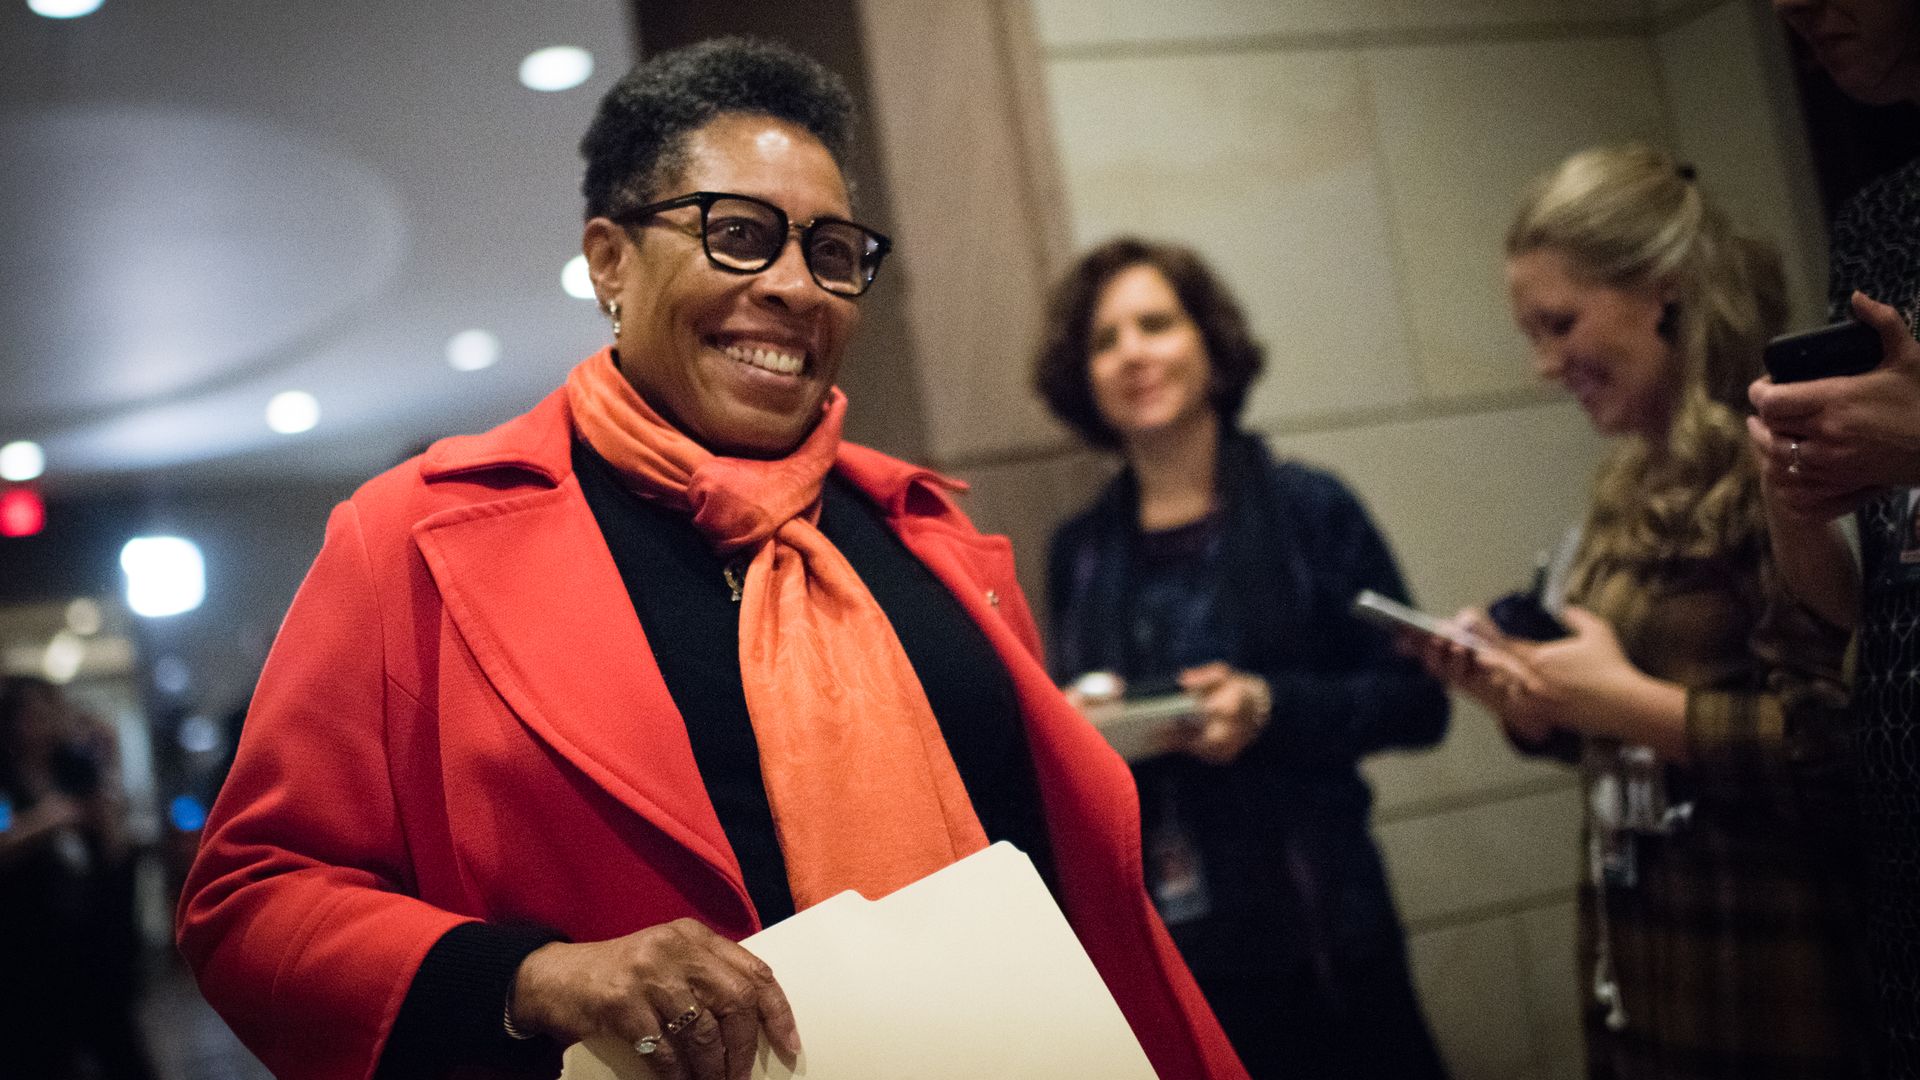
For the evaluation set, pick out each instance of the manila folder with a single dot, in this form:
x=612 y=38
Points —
x=969 y=972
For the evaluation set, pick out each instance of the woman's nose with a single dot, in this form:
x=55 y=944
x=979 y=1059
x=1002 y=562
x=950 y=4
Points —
x=1548 y=361
x=1127 y=345
x=788 y=279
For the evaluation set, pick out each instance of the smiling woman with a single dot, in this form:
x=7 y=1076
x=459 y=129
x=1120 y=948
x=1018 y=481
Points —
x=739 y=359
x=1699 y=702
x=566 y=709
x=1210 y=565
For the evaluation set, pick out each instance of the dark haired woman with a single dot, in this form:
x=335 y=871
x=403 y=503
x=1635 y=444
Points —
x=68 y=940
x=1209 y=564
x=564 y=710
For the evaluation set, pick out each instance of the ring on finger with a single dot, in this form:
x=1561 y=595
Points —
x=647 y=1044
x=680 y=1022
x=1793 y=457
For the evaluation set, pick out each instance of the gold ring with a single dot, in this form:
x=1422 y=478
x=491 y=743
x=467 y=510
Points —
x=647 y=1044
x=685 y=1018
x=1793 y=457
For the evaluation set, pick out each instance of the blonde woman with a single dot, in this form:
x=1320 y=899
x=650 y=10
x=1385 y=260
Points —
x=1700 y=704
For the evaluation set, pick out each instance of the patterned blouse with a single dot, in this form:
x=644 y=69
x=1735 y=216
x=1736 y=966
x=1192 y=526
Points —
x=1876 y=249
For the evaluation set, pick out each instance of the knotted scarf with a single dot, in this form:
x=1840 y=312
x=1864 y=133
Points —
x=863 y=790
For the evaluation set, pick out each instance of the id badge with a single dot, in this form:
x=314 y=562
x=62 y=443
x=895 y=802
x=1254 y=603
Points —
x=1907 y=561
x=1176 y=874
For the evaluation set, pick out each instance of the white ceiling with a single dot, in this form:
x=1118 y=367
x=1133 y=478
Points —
x=206 y=202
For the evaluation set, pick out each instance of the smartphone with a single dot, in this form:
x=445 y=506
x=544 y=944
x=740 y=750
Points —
x=1845 y=348
x=1387 y=612
x=1522 y=615
x=1136 y=725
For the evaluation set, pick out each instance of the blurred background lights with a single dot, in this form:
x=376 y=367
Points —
x=165 y=575
x=63 y=9
x=557 y=67
x=473 y=350
x=21 y=512
x=83 y=617
x=22 y=461
x=171 y=675
x=576 y=280
x=186 y=813
x=63 y=657
x=198 y=735
x=292 y=412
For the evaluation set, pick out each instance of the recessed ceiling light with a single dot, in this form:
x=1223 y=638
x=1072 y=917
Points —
x=558 y=67
x=22 y=461
x=292 y=412
x=576 y=279
x=472 y=350
x=63 y=9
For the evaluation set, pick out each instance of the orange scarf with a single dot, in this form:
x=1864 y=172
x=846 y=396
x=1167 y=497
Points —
x=864 y=793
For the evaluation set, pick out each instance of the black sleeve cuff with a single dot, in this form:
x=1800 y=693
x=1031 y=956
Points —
x=454 y=1011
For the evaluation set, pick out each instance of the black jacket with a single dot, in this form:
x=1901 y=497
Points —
x=1283 y=829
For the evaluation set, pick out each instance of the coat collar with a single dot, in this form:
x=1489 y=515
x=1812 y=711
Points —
x=526 y=577
x=539 y=441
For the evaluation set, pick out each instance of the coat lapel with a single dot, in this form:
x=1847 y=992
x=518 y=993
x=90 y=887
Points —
x=530 y=585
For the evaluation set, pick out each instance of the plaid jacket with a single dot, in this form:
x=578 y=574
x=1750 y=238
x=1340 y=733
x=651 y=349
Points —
x=1734 y=949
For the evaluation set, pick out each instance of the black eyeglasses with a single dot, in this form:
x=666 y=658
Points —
x=744 y=235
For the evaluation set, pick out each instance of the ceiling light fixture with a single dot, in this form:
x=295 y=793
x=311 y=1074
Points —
x=576 y=279
x=557 y=67
x=472 y=350
x=292 y=412
x=22 y=461
x=63 y=9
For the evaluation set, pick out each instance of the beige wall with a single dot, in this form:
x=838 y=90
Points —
x=1349 y=165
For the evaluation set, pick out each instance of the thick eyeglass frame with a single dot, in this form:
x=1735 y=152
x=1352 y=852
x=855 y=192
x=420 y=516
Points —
x=878 y=243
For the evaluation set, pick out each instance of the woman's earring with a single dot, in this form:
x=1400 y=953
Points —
x=612 y=308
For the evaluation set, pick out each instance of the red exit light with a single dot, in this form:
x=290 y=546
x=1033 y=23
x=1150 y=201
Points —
x=22 y=513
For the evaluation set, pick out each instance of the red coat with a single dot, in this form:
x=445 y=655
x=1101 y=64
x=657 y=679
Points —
x=461 y=720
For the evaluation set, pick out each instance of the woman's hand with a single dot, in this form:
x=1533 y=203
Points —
x=1829 y=444
x=1234 y=707
x=633 y=988
x=1585 y=683
x=1493 y=675
x=1094 y=689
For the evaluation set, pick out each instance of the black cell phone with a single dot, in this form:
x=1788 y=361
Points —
x=1845 y=348
x=1521 y=615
